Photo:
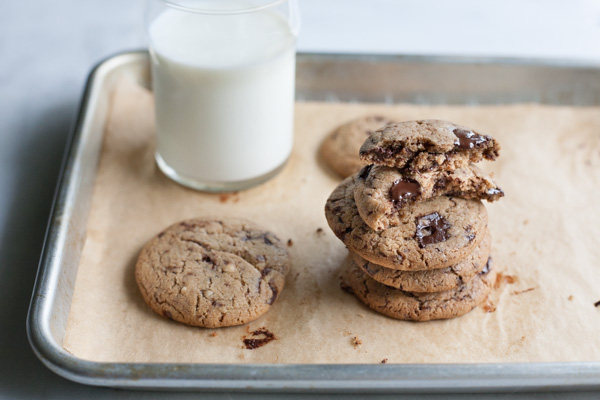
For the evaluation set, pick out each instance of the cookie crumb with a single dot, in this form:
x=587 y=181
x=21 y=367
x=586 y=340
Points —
x=262 y=336
x=384 y=361
x=597 y=304
x=571 y=298
x=361 y=315
x=225 y=197
x=290 y=243
x=525 y=222
x=502 y=278
x=523 y=338
x=213 y=334
x=523 y=291
x=356 y=341
x=319 y=231
x=488 y=306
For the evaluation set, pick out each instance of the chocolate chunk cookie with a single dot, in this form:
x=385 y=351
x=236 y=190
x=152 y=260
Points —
x=340 y=147
x=398 y=304
x=383 y=194
x=425 y=145
x=212 y=272
x=439 y=233
x=434 y=280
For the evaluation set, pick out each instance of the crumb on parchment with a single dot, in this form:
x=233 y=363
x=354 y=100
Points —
x=356 y=341
x=384 y=361
x=257 y=338
x=517 y=292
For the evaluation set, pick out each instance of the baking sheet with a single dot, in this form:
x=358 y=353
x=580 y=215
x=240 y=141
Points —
x=543 y=237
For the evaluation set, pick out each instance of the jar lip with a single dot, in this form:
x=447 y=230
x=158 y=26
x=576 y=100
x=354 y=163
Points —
x=199 y=10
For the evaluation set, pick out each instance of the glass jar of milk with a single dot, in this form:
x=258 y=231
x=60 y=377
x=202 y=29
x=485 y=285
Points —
x=223 y=75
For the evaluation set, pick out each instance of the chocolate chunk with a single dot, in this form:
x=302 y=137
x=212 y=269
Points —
x=252 y=344
x=403 y=190
x=597 y=304
x=470 y=234
x=344 y=286
x=468 y=139
x=495 y=191
x=275 y=293
x=431 y=228
x=487 y=268
x=364 y=172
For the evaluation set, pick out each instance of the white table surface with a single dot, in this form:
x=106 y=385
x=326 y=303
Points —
x=47 y=49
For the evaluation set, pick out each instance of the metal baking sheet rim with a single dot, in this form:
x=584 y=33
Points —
x=492 y=377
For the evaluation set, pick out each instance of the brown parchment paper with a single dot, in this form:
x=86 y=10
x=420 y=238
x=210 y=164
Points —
x=546 y=235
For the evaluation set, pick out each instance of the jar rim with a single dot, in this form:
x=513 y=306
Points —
x=199 y=10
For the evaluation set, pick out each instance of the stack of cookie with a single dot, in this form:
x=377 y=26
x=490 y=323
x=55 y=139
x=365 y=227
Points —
x=414 y=222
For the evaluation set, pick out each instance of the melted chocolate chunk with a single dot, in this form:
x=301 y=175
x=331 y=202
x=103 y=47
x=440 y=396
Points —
x=364 y=172
x=252 y=343
x=470 y=234
x=495 y=191
x=487 y=268
x=267 y=240
x=274 y=291
x=468 y=139
x=403 y=190
x=431 y=228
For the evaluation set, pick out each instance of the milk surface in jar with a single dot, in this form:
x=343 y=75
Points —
x=224 y=94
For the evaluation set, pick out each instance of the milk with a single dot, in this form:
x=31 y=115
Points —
x=224 y=93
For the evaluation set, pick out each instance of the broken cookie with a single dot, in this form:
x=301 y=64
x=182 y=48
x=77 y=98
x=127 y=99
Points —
x=425 y=145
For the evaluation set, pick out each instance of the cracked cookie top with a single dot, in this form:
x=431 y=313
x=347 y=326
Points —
x=425 y=145
x=212 y=272
x=340 y=147
x=436 y=234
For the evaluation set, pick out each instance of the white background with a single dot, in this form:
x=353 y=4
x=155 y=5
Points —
x=48 y=47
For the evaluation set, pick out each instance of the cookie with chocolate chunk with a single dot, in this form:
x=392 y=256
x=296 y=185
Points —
x=434 y=280
x=384 y=194
x=425 y=145
x=340 y=148
x=212 y=272
x=437 y=234
x=409 y=306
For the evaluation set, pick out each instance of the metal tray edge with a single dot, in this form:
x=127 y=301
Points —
x=491 y=377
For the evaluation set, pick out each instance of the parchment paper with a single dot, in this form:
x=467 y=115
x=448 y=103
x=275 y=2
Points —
x=545 y=237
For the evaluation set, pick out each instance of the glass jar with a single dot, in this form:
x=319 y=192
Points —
x=223 y=76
